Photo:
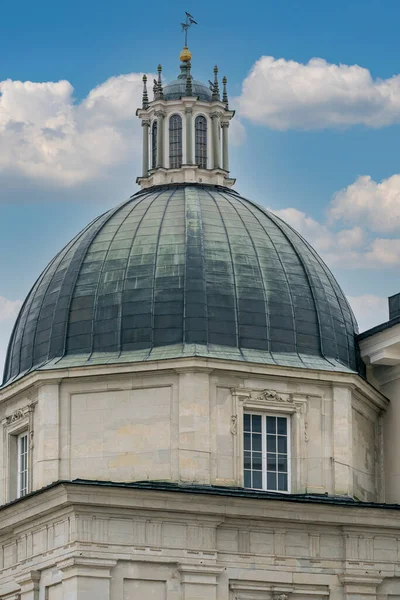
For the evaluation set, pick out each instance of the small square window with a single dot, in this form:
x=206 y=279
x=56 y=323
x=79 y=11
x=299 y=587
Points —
x=266 y=444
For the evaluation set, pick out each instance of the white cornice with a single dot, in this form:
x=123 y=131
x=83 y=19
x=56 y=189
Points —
x=37 y=378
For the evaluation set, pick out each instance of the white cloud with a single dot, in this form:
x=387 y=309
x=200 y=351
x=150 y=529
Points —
x=8 y=312
x=377 y=205
x=284 y=94
x=370 y=310
x=345 y=248
x=9 y=308
x=46 y=135
x=384 y=251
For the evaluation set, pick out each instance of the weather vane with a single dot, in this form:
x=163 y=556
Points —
x=188 y=23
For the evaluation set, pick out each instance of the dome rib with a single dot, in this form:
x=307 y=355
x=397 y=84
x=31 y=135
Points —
x=153 y=301
x=333 y=284
x=307 y=274
x=184 y=270
x=280 y=261
x=257 y=259
x=129 y=209
x=127 y=262
x=236 y=309
x=65 y=323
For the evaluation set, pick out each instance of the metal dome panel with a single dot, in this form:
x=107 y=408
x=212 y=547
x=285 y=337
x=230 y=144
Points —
x=176 y=89
x=185 y=270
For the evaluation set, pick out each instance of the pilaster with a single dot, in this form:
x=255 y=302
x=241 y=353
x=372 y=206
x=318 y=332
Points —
x=342 y=441
x=145 y=164
x=360 y=587
x=86 y=578
x=194 y=425
x=189 y=139
x=29 y=583
x=225 y=145
x=199 y=582
x=160 y=138
x=46 y=436
x=215 y=139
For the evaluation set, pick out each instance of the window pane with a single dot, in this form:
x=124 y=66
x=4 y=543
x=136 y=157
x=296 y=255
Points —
x=257 y=480
x=282 y=444
x=271 y=443
x=22 y=467
x=271 y=424
x=282 y=482
x=271 y=462
x=175 y=141
x=247 y=460
x=246 y=422
x=282 y=425
x=271 y=481
x=201 y=141
x=282 y=463
x=256 y=442
x=266 y=455
x=257 y=461
x=247 y=478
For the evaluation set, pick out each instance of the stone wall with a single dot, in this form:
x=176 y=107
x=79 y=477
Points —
x=80 y=542
x=185 y=423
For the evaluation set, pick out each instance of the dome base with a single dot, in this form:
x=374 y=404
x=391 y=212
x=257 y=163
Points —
x=186 y=174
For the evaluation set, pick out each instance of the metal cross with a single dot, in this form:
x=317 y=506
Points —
x=188 y=23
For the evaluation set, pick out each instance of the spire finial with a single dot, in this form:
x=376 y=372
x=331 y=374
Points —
x=145 y=97
x=189 y=89
x=225 y=93
x=215 y=89
x=160 y=91
x=189 y=21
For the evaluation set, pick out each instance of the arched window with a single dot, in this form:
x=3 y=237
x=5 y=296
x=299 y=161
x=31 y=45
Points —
x=175 y=142
x=154 y=145
x=200 y=127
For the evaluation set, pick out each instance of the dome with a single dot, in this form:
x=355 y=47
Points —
x=176 y=89
x=184 y=270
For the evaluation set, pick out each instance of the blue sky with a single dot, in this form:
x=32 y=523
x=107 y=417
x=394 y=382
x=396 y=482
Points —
x=280 y=157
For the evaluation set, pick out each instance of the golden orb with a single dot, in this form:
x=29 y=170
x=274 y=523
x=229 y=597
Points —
x=185 y=55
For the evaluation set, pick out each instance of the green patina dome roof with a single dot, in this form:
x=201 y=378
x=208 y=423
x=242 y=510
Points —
x=176 y=89
x=184 y=270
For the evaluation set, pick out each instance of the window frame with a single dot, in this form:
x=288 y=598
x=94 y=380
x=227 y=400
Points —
x=175 y=142
x=22 y=464
x=16 y=424
x=264 y=452
x=201 y=161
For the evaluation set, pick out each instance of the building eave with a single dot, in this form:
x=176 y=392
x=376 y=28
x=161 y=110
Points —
x=39 y=377
x=189 y=499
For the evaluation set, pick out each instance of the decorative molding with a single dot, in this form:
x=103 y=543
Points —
x=275 y=397
x=18 y=414
x=234 y=420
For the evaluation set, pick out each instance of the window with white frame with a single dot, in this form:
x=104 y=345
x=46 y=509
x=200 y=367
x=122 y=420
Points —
x=201 y=141
x=175 y=142
x=266 y=446
x=22 y=464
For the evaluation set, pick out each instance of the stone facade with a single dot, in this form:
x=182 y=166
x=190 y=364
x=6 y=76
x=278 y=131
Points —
x=199 y=535
x=381 y=352
x=184 y=423
x=86 y=541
